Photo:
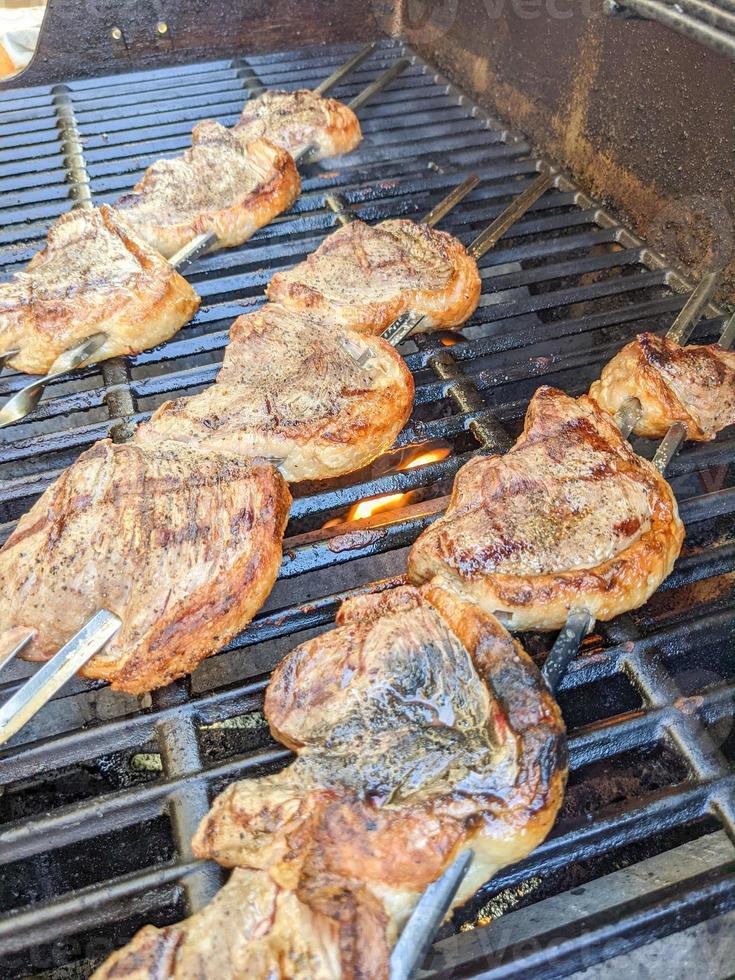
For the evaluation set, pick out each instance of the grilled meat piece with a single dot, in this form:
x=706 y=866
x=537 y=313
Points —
x=95 y=274
x=365 y=276
x=218 y=185
x=183 y=546
x=571 y=516
x=692 y=384
x=421 y=730
x=292 y=389
x=292 y=120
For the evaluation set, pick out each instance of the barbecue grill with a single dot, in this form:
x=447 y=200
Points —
x=102 y=791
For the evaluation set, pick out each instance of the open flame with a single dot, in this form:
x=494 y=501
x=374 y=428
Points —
x=390 y=501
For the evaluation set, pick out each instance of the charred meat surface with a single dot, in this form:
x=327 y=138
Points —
x=292 y=120
x=570 y=516
x=218 y=185
x=183 y=546
x=365 y=276
x=95 y=274
x=694 y=384
x=421 y=730
x=295 y=390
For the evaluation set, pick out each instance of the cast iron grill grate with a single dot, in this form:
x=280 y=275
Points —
x=102 y=791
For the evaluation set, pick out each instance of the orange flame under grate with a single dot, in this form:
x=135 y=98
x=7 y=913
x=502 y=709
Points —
x=390 y=501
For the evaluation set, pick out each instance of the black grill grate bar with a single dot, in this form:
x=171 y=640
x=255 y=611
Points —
x=226 y=101
x=695 y=508
x=631 y=924
x=91 y=906
x=495 y=162
x=199 y=87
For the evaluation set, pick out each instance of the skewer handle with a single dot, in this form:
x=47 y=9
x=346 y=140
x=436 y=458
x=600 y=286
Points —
x=380 y=83
x=355 y=61
x=566 y=647
x=516 y=209
x=418 y=933
x=451 y=200
x=669 y=446
x=24 y=401
x=628 y=416
x=683 y=326
x=47 y=680
x=192 y=250
x=402 y=327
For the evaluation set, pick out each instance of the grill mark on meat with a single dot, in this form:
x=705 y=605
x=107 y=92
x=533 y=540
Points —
x=363 y=277
x=202 y=532
x=290 y=388
x=218 y=185
x=292 y=120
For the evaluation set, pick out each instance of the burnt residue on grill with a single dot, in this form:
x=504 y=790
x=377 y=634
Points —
x=100 y=793
x=598 y=94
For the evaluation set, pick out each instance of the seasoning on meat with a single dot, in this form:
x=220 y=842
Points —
x=295 y=390
x=694 y=384
x=293 y=120
x=94 y=275
x=218 y=185
x=364 y=277
x=421 y=730
x=183 y=546
x=570 y=516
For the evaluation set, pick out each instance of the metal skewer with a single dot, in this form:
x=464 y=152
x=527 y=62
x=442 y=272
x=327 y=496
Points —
x=7 y=356
x=409 y=321
x=428 y=914
x=47 y=680
x=202 y=243
x=338 y=204
x=683 y=326
x=566 y=646
x=671 y=442
x=379 y=84
x=341 y=208
x=442 y=209
x=25 y=400
x=354 y=62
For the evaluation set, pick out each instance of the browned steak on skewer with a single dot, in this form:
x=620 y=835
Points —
x=692 y=384
x=94 y=275
x=183 y=546
x=218 y=185
x=569 y=517
x=293 y=389
x=421 y=730
x=292 y=120
x=365 y=276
